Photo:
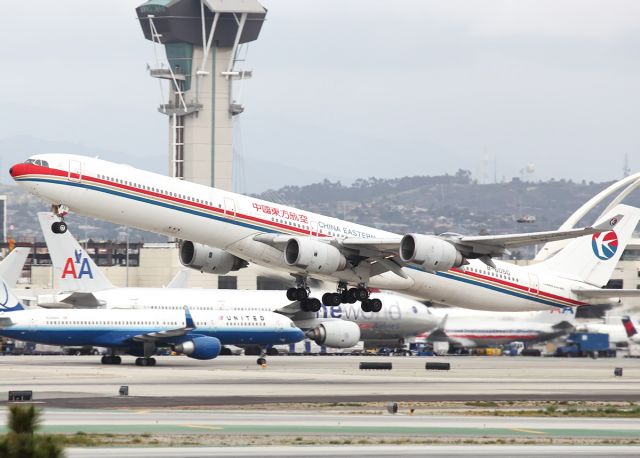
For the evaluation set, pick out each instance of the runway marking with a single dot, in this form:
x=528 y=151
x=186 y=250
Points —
x=203 y=427
x=531 y=431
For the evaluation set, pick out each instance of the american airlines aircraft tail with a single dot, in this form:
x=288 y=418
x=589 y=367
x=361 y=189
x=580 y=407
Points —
x=74 y=269
x=592 y=259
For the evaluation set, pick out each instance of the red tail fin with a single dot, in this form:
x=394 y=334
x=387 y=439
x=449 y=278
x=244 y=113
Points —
x=628 y=326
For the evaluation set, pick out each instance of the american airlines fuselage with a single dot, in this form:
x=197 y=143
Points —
x=124 y=195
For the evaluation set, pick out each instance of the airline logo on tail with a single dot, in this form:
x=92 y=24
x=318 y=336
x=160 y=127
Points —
x=84 y=268
x=604 y=245
x=4 y=300
x=628 y=326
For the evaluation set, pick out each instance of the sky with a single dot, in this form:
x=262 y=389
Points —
x=349 y=89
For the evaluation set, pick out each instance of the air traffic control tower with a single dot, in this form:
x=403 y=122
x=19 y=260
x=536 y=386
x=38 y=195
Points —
x=201 y=39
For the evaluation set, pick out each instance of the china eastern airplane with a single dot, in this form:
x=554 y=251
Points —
x=197 y=334
x=82 y=284
x=223 y=231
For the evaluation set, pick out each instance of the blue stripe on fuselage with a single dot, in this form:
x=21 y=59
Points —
x=123 y=338
x=499 y=289
x=150 y=201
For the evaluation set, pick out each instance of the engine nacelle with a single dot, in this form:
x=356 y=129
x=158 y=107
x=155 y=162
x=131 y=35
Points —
x=314 y=256
x=201 y=347
x=335 y=334
x=208 y=259
x=430 y=252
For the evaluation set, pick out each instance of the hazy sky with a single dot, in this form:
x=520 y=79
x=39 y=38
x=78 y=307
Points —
x=354 y=88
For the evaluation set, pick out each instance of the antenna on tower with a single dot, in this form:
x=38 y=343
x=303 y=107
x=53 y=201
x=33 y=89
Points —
x=626 y=171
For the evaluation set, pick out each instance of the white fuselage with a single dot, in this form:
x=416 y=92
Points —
x=400 y=318
x=480 y=329
x=153 y=202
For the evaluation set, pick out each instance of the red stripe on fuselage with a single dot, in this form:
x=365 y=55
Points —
x=516 y=286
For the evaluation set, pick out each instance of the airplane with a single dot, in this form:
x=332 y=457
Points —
x=468 y=329
x=198 y=334
x=223 y=232
x=83 y=284
x=620 y=329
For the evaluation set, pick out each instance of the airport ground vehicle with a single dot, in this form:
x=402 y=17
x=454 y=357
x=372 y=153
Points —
x=223 y=231
x=581 y=344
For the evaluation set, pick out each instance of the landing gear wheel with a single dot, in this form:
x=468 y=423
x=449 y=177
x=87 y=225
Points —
x=311 y=305
x=344 y=297
x=272 y=351
x=292 y=294
x=326 y=299
x=261 y=361
x=366 y=305
x=145 y=362
x=301 y=294
x=62 y=227
x=225 y=351
x=336 y=299
x=375 y=305
x=362 y=294
x=352 y=294
x=152 y=361
x=104 y=360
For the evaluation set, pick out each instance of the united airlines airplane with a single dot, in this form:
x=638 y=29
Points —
x=224 y=231
x=197 y=334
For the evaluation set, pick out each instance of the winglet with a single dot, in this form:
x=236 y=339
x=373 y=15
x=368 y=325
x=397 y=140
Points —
x=608 y=223
x=188 y=319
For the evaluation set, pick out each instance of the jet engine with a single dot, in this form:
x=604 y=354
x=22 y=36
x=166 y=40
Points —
x=335 y=334
x=208 y=259
x=314 y=256
x=201 y=347
x=430 y=252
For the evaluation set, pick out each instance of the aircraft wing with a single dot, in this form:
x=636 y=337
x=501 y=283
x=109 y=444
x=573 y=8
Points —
x=603 y=293
x=383 y=253
x=168 y=333
x=294 y=312
x=485 y=245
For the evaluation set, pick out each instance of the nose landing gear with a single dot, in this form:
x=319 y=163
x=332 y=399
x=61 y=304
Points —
x=59 y=227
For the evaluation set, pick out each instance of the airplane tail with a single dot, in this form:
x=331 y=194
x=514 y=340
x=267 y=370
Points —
x=628 y=326
x=8 y=301
x=592 y=258
x=11 y=266
x=72 y=266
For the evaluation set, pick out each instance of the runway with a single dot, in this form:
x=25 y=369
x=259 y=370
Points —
x=81 y=382
x=346 y=451
x=304 y=423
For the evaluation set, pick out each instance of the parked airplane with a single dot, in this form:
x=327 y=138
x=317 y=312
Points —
x=197 y=334
x=469 y=329
x=83 y=284
x=620 y=329
x=224 y=231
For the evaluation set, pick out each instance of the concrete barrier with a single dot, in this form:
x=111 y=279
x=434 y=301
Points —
x=437 y=366
x=376 y=365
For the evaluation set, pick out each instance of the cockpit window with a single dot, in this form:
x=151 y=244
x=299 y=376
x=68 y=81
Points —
x=37 y=162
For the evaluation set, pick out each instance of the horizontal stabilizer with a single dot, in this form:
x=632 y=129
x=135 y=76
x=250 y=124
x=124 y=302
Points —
x=604 y=293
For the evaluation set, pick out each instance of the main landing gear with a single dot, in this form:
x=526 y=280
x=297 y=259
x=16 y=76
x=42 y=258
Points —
x=343 y=296
x=111 y=359
x=145 y=362
x=59 y=227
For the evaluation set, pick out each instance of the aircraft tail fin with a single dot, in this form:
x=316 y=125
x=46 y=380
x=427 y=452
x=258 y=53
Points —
x=72 y=266
x=8 y=301
x=593 y=258
x=11 y=266
x=628 y=326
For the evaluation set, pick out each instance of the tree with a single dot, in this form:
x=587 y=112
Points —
x=22 y=441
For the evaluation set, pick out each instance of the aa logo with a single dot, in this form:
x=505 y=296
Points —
x=77 y=267
x=604 y=245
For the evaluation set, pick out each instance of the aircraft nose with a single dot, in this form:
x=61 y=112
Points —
x=17 y=170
